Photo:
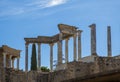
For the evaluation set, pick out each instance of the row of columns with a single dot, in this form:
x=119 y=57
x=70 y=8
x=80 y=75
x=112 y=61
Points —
x=93 y=40
x=77 y=34
x=59 y=44
x=11 y=61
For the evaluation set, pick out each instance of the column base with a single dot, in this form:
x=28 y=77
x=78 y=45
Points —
x=94 y=54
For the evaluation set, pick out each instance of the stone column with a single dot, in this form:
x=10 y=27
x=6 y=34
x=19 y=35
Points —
x=51 y=57
x=109 y=41
x=18 y=59
x=10 y=60
x=26 y=57
x=66 y=50
x=4 y=59
x=39 y=55
x=74 y=47
x=93 y=39
x=13 y=62
x=79 y=45
x=60 y=49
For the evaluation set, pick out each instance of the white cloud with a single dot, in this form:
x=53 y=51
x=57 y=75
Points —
x=9 y=8
x=55 y=2
x=47 y=3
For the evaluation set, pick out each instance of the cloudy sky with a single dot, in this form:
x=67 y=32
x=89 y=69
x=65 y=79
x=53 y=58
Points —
x=32 y=18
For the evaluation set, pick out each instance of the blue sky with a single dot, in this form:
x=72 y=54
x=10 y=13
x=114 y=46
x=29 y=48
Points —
x=31 y=18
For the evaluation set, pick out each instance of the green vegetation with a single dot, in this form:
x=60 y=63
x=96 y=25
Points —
x=33 y=58
x=44 y=69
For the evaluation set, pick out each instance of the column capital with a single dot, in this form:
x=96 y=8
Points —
x=75 y=34
x=10 y=56
x=92 y=25
x=26 y=44
x=51 y=44
x=66 y=39
x=4 y=53
x=80 y=31
x=13 y=58
x=18 y=57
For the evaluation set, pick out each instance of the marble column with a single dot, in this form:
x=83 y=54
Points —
x=10 y=60
x=13 y=59
x=66 y=50
x=93 y=39
x=74 y=47
x=4 y=59
x=79 y=45
x=39 y=55
x=26 y=57
x=18 y=60
x=51 y=57
x=60 y=49
x=109 y=41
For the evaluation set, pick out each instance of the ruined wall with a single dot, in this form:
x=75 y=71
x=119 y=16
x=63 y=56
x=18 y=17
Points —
x=2 y=77
x=20 y=76
x=107 y=63
x=73 y=70
x=84 y=69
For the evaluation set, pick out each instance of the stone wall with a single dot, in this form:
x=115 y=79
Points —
x=2 y=75
x=73 y=70
x=107 y=63
x=12 y=75
x=84 y=69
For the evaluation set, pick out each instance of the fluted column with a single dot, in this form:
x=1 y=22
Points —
x=66 y=50
x=93 y=39
x=13 y=59
x=51 y=57
x=79 y=45
x=39 y=55
x=18 y=60
x=74 y=47
x=109 y=41
x=60 y=49
x=26 y=57
x=10 y=60
x=4 y=59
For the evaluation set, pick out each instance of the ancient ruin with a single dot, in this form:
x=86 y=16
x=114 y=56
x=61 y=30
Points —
x=66 y=32
x=93 y=68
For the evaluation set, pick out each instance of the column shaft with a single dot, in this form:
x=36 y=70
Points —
x=74 y=48
x=93 y=39
x=51 y=57
x=13 y=63
x=79 y=45
x=60 y=49
x=66 y=50
x=39 y=55
x=10 y=61
x=26 y=57
x=4 y=60
x=18 y=59
x=109 y=41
